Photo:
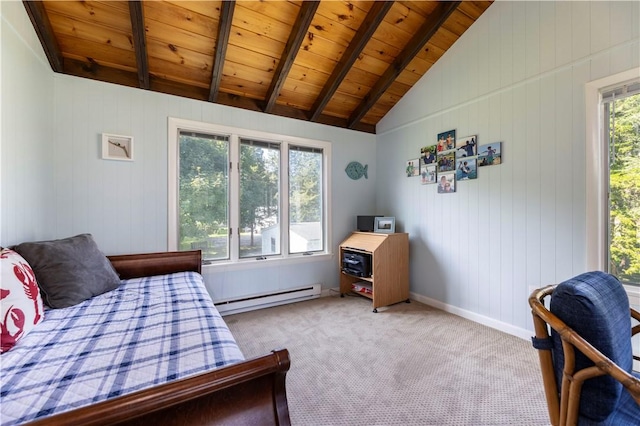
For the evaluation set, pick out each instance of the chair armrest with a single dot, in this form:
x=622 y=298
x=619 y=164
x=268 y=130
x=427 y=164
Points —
x=636 y=316
x=635 y=329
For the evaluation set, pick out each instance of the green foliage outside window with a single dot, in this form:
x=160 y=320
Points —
x=624 y=183
x=203 y=197
x=305 y=194
x=259 y=195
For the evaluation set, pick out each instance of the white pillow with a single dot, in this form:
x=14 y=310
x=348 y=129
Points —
x=20 y=301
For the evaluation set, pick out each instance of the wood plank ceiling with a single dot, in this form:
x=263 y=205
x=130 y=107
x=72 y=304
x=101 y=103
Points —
x=342 y=63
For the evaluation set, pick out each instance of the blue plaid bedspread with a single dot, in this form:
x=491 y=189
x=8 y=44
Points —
x=147 y=332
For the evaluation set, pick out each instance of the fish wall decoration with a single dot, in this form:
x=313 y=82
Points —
x=355 y=170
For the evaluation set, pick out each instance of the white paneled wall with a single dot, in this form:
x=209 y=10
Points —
x=517 y=76
x=26 y=146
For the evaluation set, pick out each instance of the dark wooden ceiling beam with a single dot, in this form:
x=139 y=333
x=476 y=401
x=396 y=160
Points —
x=420 y=38
x=289 y=112
x=42 y=25
x=373 y=19
x=92 y=70
x=224 y=29
x=139 y=42
x=296 y=37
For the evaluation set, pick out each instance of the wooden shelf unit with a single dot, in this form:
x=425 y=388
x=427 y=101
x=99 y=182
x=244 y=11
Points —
x=389 y=266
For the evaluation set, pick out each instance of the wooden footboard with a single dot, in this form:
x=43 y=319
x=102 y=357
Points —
x=247 y=393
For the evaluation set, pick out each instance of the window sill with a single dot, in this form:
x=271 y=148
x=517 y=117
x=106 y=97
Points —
x=268 y=262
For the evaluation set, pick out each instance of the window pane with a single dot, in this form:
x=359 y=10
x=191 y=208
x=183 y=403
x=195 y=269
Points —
x=259 y=198
x=305 y=200
x=623 y=117
x=204 y=194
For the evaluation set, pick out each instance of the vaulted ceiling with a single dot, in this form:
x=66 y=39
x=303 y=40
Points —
x=342 y=63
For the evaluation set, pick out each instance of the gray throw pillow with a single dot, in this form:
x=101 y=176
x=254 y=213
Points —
x=69 y=270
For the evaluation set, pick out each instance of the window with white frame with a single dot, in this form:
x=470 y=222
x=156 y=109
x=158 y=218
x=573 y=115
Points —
x=241 y=195
x=621 y=124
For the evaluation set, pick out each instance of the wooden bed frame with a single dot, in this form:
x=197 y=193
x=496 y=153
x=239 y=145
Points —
x=251 y=392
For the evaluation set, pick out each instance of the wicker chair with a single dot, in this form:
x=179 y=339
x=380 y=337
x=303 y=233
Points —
x=588 y=351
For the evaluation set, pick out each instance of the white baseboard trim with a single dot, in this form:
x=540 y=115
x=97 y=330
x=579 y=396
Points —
x=480 y=319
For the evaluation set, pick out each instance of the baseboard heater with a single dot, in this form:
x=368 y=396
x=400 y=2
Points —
x=259 y=301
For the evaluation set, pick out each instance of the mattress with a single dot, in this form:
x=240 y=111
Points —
x=147 y=332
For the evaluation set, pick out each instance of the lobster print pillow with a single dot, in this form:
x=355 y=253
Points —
x=20 y=301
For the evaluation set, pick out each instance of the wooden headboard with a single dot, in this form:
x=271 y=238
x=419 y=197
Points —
x=150 y=264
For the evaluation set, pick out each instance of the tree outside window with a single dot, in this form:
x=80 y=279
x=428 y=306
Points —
x=623 y=118
x=203 y=194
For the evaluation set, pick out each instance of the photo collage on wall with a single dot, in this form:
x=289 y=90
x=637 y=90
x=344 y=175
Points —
x=450 y=160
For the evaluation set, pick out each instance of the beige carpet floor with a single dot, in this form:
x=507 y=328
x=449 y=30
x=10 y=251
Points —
x=408 y=364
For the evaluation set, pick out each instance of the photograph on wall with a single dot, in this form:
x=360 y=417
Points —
x=446 y=162
x=446 y=183
x=117 y=147
x=467 y=146
x=446 y=141
x=490 y=154
x=427 y=174
x=413 y=167
x=466 y=168
x=428 y=154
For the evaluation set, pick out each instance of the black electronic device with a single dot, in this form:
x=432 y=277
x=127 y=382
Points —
x=366 y=223
x=356 y=263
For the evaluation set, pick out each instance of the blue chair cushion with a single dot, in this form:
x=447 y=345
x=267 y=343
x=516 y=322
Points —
x=595 y=306
x=627 y=412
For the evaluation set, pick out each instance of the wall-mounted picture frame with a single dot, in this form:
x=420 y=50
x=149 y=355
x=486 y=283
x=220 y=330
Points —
x=428 y=174
x=117 y=147
x=490 y=154
x=466 y=168
x=446 y=161
x=446 y=183
x=428 y=154
x=467 y=146
x=446 y=140
x=413 y=167
x=385 y=225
